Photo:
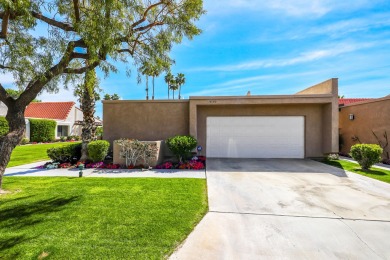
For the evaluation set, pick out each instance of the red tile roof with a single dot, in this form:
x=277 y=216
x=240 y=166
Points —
x=49 y=110
x=347 y=101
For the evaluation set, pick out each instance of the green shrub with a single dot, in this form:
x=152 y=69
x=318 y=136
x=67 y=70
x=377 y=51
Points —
x=3 y=126
x=366 y=154
x=181 y=146
x=76 y=138
x=97 y=150
x=65 y=153
x=42 y=130
x=24 y=141
x=63 y=138
x=99 y=132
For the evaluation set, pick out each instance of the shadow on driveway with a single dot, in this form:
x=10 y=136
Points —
x=271 y=165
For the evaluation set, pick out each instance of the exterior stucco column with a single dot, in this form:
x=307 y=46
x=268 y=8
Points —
x=193 y=119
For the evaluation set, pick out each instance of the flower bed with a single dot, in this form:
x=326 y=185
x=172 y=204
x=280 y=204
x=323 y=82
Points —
x=196 y=163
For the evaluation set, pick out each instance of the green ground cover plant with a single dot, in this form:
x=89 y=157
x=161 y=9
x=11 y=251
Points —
x=375 y=173
x=98 y=218
x=31 y=153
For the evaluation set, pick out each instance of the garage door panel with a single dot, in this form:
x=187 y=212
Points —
x=255 y=137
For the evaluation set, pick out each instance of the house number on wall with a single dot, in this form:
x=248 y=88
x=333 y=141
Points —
x=212 y=101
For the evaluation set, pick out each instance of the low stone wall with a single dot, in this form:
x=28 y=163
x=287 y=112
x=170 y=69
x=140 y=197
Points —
x=159 y=153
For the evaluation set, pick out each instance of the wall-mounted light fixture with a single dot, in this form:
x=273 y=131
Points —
x=351 y=116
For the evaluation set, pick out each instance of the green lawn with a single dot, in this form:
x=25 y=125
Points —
x=98 y=218
x=375 y=173
x=24 y=154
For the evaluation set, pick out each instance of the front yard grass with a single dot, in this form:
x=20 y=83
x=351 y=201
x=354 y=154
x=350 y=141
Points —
x=25 y=154
x=375 y=173
x=98 y=218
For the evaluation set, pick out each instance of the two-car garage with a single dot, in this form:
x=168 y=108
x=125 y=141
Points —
x=255 y=137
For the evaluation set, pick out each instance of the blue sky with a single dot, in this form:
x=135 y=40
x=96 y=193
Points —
x=276 y=47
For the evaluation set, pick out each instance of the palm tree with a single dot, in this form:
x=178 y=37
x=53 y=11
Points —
x=174 y=87
x=180 y=80
x=155 y=71
x=145 y=70
x=169 y=79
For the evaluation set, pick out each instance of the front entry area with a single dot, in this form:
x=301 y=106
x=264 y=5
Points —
x=256 y=137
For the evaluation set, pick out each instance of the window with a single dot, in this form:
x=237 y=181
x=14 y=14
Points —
x=62 y=130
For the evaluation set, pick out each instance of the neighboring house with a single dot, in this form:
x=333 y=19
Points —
x=271 y=126
x=66 y=114
x=365 y=121
x=347 y=101
x=3 y=109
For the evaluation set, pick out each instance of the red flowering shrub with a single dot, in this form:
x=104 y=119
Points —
x=166 y=165
x=192 y=165
x=112 y=166
x=64 y=165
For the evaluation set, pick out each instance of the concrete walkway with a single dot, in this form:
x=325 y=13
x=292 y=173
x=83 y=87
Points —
x=290 y=209
x=30 y=170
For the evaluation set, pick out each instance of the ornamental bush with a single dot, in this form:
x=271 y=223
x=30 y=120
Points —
x=65 y=153
x=3 y=126
x=42 y=130
x=366 y=154
x=97 y=150
x=181 y=146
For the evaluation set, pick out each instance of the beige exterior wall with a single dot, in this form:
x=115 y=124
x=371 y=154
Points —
x=144 y=120
x=158 y=120
x=370 y=116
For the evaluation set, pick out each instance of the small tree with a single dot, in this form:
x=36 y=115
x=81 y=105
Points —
x=366 y=154
x=181 y=146
x=111 y=97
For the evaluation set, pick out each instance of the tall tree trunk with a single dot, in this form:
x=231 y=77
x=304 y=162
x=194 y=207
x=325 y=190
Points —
x=153 y=89
x=173 y=93
x=168 y=92
x=87 y=105
x=179 y=91
x=17 y=127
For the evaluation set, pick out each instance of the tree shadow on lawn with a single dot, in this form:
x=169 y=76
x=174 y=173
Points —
x=27 y=214
x=373 y=172
x=9 y=243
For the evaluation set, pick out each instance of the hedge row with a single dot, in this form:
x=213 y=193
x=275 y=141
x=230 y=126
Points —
x=3 y=126
x=42 y=130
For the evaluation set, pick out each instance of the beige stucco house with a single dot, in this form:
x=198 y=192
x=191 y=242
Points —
x=366 y=121
x=303 y=125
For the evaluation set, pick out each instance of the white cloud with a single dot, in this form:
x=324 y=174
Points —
x=244 y=84
x=62 y=95
x=303 y=57
x=297 y=8
x=6 y=79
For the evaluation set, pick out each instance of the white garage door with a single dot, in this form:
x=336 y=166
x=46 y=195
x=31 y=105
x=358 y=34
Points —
x=256 y=137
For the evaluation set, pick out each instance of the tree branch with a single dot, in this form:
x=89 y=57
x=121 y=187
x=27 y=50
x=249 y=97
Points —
x=143 y=19
x=4 y=25
x=55 y=23
x=142 y=28
x=4 y=97
x=81 y=70
x=76 y=10
x=76 y=55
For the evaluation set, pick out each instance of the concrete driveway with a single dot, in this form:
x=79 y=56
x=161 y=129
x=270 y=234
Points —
x=290 y=209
